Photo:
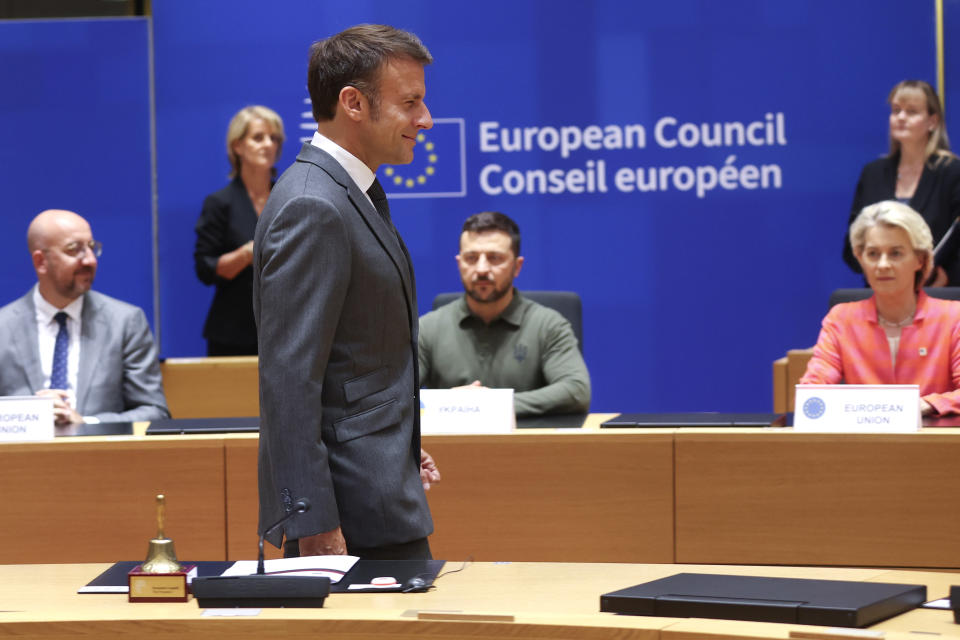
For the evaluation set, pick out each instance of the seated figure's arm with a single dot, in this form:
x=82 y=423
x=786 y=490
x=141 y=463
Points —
x=948 y=402
x=826 y=365
x=567 y=388
x=143 y=397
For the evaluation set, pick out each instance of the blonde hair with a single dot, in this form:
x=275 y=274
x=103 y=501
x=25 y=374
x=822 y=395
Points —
x=892 y=213
x=239 y=125
x=938 y=144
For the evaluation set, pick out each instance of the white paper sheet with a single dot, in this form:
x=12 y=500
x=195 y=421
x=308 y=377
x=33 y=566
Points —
x=333 y=567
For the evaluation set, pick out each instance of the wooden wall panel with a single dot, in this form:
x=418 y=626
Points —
x=93 y=500
x=563 y=497
x=532 y=496
x=217 y=387
x=822 y=499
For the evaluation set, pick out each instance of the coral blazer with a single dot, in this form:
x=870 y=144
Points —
x=853 y=348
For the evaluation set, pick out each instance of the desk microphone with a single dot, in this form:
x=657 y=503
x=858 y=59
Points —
x=262 y=589
x=300 y=506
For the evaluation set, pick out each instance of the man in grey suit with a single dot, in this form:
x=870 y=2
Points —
x=92 y=354
x=336 y=310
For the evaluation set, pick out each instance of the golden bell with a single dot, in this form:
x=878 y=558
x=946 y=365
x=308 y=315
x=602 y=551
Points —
x=161 y=556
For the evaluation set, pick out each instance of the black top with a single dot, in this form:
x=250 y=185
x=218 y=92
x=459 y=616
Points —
x=937 y=199
x=226 y=223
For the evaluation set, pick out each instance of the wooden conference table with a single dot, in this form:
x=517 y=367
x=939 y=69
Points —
x=538 y=600
x=709 y=496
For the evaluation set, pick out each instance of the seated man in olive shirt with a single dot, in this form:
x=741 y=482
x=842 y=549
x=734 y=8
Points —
x=494 y=337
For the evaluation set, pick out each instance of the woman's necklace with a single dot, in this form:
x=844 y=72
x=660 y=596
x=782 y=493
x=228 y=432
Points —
x=897 y=325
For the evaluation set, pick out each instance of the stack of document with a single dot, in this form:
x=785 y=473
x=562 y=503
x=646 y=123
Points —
x=333 y=567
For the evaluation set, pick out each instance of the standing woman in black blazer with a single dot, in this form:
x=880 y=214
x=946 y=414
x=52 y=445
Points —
x=920 y=171
x=224 y=249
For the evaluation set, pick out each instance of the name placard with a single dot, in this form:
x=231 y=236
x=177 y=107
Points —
x=466 y=411
x=863 y=408
x=25 y=418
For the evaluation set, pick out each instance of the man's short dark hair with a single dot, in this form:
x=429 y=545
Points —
x=495 y=221
x=353 y=58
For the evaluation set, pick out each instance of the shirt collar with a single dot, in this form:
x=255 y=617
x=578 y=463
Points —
x=355 y=168
x=513 y=314
x=46 y=311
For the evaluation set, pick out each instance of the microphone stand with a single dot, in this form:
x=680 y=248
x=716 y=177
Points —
x=262 y=589
x=301 y=506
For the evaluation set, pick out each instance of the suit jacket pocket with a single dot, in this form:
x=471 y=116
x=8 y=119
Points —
x=370 y=421
x=366 y=385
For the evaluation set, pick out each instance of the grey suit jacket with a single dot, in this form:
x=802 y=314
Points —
x=335 y=306
x=119 y=376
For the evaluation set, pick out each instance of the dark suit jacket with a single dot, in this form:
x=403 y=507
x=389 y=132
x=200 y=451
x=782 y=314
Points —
x=227 y=222
x=937 y=199
x=119 y=376
x=336 y=314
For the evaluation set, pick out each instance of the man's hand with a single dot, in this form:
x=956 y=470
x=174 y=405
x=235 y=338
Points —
x=476 y=384
x=329 y=543
x=63 y=413
x=428 y=470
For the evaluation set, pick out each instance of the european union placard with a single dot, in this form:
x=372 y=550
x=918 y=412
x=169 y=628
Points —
x=27 y=418
x=439 y=168
x=857 y=408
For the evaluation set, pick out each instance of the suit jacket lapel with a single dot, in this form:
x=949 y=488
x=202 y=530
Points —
x=28 y=346
x=90 y=348
x=924 y=189
x=890 y=177
x=385 y=232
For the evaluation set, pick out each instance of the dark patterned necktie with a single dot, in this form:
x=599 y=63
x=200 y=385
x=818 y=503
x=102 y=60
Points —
x=58 y=373
x=379 y=199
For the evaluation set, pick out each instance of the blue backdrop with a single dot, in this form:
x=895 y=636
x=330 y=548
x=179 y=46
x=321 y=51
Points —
x=75 y=132
x=693 y=283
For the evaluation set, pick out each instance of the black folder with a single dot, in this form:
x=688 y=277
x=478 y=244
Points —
x=96 y=429
x=834 y=603
x=184 y=426
x=695 y=419
x=552 y=421
x=114 y=579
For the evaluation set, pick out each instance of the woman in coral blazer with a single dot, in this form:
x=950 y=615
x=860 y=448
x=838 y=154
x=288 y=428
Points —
x=899 y=335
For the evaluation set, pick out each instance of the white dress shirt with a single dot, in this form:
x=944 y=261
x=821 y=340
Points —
x=354 y=166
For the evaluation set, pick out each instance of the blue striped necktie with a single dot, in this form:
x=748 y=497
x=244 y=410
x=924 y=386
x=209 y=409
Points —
x=58 y=373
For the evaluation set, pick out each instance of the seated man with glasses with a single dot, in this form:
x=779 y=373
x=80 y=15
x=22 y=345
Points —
x=494 y=337
x=94 y=355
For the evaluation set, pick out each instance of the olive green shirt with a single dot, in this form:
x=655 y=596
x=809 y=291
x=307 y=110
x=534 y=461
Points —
x=528 y=348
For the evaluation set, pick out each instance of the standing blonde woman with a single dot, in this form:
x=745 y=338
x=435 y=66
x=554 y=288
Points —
x=920 y=171
x=224 y=249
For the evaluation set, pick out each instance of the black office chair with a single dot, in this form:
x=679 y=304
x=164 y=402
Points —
x=566 y=303
x=852 y=295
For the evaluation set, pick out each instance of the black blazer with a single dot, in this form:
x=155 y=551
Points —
x=937 y=199
x=228 y=221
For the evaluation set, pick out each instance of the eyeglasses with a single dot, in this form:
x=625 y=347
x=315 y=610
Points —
x=79 y=249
